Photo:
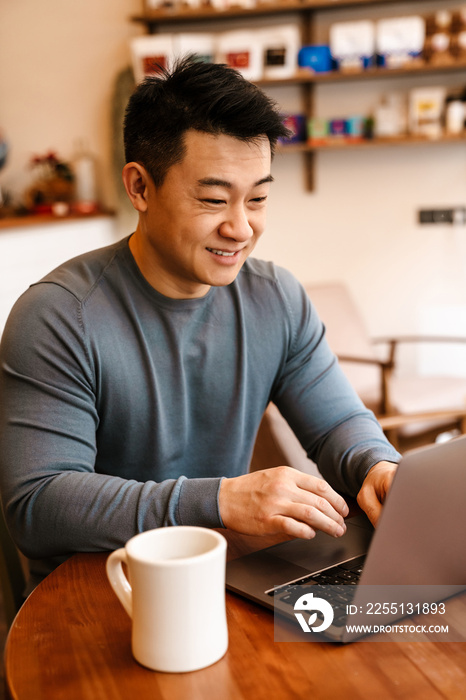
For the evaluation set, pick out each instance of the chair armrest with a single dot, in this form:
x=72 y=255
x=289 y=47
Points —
x=366 y=361
x=395 y=341
x=398 y=421
x=420 y=339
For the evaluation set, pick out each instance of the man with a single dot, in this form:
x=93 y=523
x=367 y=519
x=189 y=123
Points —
x=134 y=378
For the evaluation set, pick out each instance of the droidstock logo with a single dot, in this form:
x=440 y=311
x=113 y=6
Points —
x=310 y=604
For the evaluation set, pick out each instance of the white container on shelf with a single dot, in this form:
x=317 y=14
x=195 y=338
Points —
x=454 y=117
x=400 y=40
x=426 y=111
x=280 y=47
x=84 y=167
x=390 y=116
x=240 y=3
x=242 y=50
x=219 y=4
x=149 y=51
x=202 y=44
x=352 y=44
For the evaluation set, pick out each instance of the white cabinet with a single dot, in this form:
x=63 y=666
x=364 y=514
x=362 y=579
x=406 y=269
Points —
x=28 y=252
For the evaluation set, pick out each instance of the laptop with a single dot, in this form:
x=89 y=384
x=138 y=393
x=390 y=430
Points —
x=417 y=551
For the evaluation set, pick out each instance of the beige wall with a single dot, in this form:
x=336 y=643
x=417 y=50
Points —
x=58 y=63
x=360 y=223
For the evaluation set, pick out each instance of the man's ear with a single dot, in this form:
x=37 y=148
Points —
x=136 y=181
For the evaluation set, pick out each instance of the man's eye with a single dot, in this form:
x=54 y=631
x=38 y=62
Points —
x=214 y=201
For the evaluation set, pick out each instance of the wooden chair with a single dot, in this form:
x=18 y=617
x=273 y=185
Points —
x=12 y=579
x=411 y=410
x=406 y=405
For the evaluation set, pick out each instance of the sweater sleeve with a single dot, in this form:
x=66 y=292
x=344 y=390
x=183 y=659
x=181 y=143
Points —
x=337 y=431
x=54 y=500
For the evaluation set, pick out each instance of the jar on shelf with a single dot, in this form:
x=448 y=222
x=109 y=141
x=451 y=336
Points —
x=86 y=199
x=454 y=115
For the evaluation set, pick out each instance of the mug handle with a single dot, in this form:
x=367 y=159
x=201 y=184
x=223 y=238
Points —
x=118 y=580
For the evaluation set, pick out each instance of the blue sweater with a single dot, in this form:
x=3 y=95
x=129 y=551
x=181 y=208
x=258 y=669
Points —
x=121 y=409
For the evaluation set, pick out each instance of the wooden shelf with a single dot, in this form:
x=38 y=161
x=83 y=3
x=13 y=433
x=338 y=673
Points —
x=307 y=76
x=382 y=73
x=338 y=144
x=41 y=219
x=152 y=19
x=202 y=14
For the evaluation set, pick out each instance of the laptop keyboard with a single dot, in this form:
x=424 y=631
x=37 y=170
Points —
x=337 y=585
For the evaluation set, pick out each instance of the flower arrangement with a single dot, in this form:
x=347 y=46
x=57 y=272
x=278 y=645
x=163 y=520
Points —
x=53 y=184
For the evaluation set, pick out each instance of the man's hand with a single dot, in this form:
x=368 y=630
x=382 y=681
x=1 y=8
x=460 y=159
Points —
x=281 y=500
x=375 y=488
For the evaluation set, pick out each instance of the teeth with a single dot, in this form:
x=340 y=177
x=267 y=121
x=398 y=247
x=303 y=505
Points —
x=221 y=252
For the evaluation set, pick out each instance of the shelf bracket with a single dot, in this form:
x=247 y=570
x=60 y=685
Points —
x=309 y=170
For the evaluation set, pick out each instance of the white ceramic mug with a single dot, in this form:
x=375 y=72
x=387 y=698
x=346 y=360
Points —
x=175 y=596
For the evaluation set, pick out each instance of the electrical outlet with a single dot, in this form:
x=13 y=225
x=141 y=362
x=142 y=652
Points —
x=456 y=215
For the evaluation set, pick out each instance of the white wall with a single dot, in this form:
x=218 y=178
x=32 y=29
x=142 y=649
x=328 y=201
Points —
x=58 y=63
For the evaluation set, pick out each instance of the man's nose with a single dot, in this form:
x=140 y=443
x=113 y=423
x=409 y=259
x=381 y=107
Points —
x=237 y=226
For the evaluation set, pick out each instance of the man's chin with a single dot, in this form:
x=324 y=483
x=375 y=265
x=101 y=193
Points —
x=225 y=279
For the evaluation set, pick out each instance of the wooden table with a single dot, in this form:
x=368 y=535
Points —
x=71 y=640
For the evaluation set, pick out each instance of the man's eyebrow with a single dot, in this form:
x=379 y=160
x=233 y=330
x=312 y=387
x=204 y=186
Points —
x=269 y=178
x=213 y=182
x=217 y=182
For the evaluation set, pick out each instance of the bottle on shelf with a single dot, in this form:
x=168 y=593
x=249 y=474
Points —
x=454 y=115
x=84 y=167
x=390 y=118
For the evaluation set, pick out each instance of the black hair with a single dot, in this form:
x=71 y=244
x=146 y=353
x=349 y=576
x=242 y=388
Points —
x=207 y=97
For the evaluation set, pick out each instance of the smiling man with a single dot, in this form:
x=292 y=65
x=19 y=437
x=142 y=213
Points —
x=197 y=229
x=134 y=378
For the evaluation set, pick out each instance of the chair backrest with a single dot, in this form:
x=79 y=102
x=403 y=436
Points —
x=12 y=579
x=277 y=445
x=347 y=335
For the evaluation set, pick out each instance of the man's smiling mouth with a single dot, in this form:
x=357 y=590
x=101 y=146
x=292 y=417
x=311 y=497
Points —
x=222 y=252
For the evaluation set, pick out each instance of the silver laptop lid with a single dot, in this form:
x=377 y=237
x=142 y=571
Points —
x=420 y=539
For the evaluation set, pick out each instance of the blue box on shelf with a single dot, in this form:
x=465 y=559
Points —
x=318 y=58
x=356 y=127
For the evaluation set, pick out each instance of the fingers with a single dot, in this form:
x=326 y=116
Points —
x=294 y=528
x=370 y=504
x=309 y=500
x=318 y=517
x=375 y=488
x=322 y=489
x=281 y=500
x=316 y=504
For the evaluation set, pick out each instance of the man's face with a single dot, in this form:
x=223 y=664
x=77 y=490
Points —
x=206 y=218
